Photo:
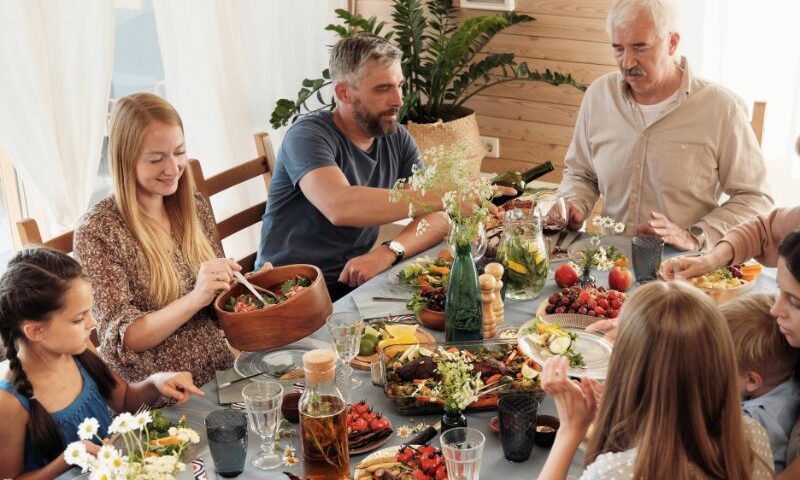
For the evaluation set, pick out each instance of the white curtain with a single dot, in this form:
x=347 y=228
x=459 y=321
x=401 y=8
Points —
x=56 y=58
x=751 y=48
x=225 y=65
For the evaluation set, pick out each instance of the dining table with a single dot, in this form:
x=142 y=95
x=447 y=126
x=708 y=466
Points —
x=493 y=463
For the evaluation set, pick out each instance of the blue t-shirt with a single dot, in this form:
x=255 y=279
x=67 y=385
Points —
x=89 y=403
x=776 y=411
x=293 y=230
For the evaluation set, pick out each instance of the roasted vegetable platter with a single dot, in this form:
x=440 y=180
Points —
x=412 y=379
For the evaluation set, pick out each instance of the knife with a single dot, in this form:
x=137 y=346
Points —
x=426 y=435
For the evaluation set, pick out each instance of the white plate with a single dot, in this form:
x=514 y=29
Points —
x=276 y=361
x=622 y=244
x=596 y=351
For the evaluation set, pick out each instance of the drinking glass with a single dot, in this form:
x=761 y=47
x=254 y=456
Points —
x=226 y=430
x=345 y=329
x=553 y=210
x=646 y=251
x=462 y=448
x=517 y=415
x=263 y=403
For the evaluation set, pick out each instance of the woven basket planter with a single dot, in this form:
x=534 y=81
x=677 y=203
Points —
x=463 y=130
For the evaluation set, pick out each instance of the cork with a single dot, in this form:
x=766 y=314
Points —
x=319 y=365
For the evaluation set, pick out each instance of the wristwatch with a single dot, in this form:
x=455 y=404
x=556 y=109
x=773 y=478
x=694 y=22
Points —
x=397 y=248
x=698 y=234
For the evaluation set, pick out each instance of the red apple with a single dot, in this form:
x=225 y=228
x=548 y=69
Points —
x=620 y=278
x=566 y=276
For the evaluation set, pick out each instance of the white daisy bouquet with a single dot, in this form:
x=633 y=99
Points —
x=600 y=257
x=449 y=174
x=152 y=448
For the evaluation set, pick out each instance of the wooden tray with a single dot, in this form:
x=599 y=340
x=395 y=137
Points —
x=363 y=362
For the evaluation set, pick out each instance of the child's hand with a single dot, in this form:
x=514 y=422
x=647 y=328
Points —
x=176 y=385
x=576 y=402
x=91 y=447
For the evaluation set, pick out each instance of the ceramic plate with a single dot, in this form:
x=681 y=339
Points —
x=596 y=350
x=622 y=244
x=276 y=362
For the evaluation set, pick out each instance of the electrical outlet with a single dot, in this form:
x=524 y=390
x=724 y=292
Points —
x=492 y=146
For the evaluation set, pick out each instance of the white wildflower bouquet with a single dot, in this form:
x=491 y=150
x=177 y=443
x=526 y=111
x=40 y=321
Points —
x=601 y=257
x=152 y=448
x=449 y=174
x=459 y=386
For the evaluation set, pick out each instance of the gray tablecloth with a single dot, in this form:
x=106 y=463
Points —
x=493 y=464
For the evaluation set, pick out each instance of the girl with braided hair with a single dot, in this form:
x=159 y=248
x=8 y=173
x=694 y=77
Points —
x=55 y=379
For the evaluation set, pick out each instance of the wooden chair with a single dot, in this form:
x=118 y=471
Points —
x=29 y=234
x=229 y=178
x=757 y=119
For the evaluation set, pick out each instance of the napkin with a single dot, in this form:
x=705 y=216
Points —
x=232 y=393
x=369 y=308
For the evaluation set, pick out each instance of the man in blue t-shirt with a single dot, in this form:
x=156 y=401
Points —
x=330 y=189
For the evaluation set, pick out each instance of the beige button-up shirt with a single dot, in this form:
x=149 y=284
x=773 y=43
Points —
x=680 y=165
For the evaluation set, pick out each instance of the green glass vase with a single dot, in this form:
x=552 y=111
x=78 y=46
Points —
x=463 y=314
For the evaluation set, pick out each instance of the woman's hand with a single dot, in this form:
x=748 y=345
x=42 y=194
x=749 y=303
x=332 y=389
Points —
x=214 y=276
x=684 y=268
x=264 y=268
x=576 y=402
x=176 y=385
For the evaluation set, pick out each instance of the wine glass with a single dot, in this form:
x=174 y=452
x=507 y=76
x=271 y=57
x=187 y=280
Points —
x=345 y=329
x=263 y=399
x=478 y=244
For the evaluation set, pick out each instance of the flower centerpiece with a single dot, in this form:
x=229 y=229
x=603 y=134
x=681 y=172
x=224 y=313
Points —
x=152 y=447
x=599 y=257
x=459 y=386
x=466 y=200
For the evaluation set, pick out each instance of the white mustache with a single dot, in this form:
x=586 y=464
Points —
x=634 y=72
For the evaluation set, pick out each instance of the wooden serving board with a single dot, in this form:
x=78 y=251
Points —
x=363 y=362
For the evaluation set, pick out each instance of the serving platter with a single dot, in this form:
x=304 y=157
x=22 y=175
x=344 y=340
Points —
x=363 y=362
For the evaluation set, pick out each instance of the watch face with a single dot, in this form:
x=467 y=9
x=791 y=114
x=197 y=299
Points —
x=397 y=248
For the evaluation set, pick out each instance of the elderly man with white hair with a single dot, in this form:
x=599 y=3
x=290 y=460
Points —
x=660 y=144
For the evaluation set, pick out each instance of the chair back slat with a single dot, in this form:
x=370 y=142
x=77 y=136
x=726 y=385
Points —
x=260 y=166
x=757 y=120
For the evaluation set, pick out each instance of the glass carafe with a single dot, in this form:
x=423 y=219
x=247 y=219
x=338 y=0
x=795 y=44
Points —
x=323 y=420
x=524 y=255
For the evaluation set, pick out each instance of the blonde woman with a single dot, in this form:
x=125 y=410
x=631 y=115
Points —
x=670 y=406
x=150 y=251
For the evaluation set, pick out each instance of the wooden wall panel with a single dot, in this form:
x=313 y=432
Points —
x=534 y=121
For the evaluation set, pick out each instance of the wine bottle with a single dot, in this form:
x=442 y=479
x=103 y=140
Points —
x=517 y=180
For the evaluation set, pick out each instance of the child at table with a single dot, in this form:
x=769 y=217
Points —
x=766 y=364
x=670 y=405
x=54 y=378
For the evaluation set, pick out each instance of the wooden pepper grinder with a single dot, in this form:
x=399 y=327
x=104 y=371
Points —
x=487 y=284
x=496 y=270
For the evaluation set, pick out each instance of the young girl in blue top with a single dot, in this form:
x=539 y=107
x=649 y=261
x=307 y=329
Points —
x=54 y=378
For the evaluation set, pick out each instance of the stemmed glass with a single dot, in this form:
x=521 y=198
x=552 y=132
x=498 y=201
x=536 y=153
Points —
x=263 y=400
x=345 y=329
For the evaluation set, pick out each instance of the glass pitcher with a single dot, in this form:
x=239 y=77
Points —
x=524 y=255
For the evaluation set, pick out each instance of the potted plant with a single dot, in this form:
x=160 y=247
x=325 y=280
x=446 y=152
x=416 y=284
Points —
x=443 y=67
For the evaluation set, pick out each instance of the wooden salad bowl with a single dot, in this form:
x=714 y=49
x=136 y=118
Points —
x=281 y=324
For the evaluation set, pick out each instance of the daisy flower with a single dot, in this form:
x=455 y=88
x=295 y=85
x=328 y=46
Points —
x=404 y=431
x=88 y=428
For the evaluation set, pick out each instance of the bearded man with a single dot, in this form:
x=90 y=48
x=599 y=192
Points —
x=330 y=189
